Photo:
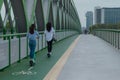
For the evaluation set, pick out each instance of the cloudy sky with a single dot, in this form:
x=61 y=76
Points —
x=88 y=5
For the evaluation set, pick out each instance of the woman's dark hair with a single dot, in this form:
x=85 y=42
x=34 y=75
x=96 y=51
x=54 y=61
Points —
x=48 y=26
x=31 y=29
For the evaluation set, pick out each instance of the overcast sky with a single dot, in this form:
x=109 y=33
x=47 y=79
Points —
x=88 y=5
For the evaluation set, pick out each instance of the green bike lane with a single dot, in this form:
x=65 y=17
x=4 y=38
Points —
x=22 y=71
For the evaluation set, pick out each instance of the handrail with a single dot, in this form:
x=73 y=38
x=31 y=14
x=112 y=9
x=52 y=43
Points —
x=18 y=34
x=112 y=36
x=111 y=30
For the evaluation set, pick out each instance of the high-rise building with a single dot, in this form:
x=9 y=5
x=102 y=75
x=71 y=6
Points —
x=110 y=15
x=89 y=19
x=97 y=15
x=107 y=15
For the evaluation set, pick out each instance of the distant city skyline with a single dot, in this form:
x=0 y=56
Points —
x=88 y=5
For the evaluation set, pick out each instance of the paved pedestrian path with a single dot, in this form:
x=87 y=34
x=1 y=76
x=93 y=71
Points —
x=84 y=57
x=91 y=59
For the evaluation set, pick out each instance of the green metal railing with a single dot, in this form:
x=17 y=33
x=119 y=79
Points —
x=18 y=36
x=42 y=45
x=110 y=35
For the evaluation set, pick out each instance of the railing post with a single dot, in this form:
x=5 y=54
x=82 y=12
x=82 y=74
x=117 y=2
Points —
x=19 y=48
x=27 y=47
x=115 y=39
x=106 y=36
x=118 y=40
x=42 y=41
x=9 y=41
x=110 y=37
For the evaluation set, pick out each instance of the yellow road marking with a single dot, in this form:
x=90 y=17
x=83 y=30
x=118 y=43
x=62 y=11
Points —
x=54 y=72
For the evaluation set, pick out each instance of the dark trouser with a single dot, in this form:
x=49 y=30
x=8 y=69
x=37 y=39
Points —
x=49 y=46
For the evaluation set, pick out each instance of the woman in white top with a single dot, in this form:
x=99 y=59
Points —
x=49 y=34
x=32 y=35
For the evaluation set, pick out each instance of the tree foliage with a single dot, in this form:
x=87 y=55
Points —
x=105 y=26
